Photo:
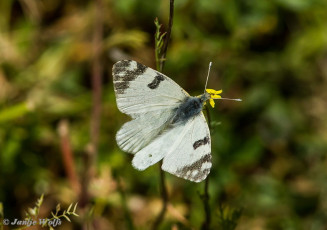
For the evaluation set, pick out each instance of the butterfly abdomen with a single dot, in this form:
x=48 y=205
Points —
x=191 y=107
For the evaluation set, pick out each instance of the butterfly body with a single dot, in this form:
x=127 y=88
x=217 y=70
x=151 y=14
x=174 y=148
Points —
x=167 y=123
x=191 y=107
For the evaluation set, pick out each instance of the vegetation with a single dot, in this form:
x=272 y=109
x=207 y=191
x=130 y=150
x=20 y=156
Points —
x=58 y=115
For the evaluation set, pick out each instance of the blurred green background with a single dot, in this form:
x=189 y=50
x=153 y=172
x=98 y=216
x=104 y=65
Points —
x=269 y=151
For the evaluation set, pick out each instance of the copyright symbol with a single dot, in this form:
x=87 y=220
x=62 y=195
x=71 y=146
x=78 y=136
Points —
x=5 y=222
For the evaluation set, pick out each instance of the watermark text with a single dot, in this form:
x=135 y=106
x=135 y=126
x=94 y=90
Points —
x=31 y=222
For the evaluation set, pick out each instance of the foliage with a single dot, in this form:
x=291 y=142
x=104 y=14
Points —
x=33 y=213
x=227 y=219
x=159 y=42
x=33 y=216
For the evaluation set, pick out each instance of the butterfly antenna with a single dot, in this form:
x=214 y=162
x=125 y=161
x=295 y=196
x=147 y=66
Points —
x=231 y=99
x=207 y=77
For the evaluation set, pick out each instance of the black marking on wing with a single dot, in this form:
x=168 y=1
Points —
x=186 y=172
x=121 y=86
x=200 y=142
x=123 y=76
x=156 y=81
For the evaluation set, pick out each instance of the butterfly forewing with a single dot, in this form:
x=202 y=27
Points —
x=140 y=89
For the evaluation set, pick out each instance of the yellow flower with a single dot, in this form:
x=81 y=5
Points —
x=212 y=91
x=213 y=95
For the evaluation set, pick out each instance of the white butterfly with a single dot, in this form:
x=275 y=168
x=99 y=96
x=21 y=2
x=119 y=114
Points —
x=168 y=123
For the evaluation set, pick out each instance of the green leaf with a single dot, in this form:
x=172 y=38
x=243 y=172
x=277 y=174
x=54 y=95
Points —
x=57 y=209
x=32 y=211
x=1 y=210
x=15 y=111
x=74 y=211
x=69 y=207
x=66 y=217
x=40 y=201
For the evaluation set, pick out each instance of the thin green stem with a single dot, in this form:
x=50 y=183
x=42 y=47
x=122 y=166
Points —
x=1 y=216
x=128 y=218
x=161 y=46
x=205 y=197
x=164 y=196
x=165 y=45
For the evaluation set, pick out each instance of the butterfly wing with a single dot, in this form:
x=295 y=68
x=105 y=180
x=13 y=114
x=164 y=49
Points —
x=137 y=133
x=160 y=146
x=185 y=150
x=149 y=97
x=140 y=89
x=191 y=159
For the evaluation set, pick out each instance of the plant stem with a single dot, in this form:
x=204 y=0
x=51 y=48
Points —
x=165 y=45
x=67 y=155
x=96 y=81
x=160 y=55
x=97 y=70
x=205 y=197
x=90 y=156
x=164 y=196
x=128 y=218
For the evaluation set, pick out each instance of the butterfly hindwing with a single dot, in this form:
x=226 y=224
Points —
x=161 y=146
x=140 y=131
x=191 y=159
x=185 y=150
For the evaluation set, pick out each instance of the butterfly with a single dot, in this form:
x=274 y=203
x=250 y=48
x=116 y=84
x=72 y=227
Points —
x=167 y=123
